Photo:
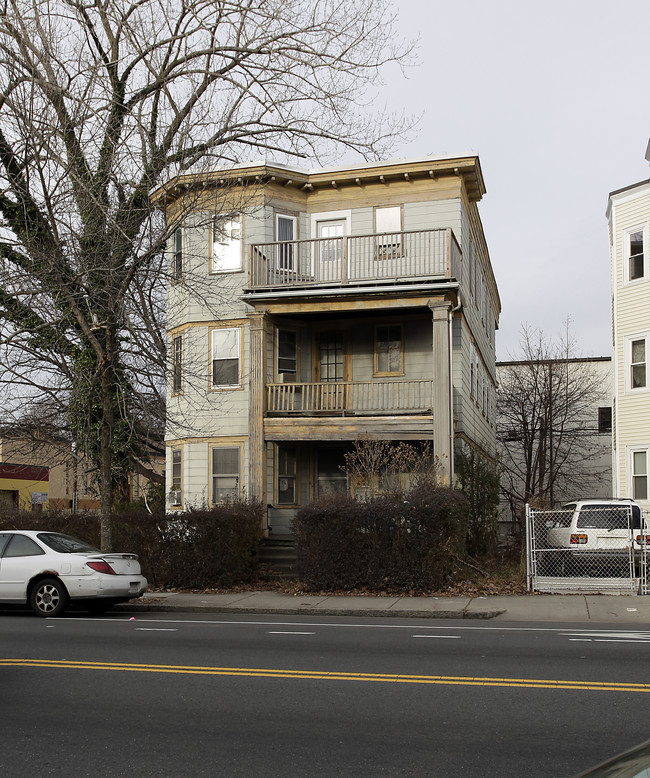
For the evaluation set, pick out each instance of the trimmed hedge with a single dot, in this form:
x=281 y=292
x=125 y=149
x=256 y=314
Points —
x=198 y=549
x=209 y=548
x=407 y=543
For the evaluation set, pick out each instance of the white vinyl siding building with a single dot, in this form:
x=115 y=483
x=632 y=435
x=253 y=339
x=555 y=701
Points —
x=628 y=215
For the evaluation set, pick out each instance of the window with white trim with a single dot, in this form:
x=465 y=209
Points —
x=636 y=250
x=225 y=474
x=226 y=251
x=226 y=357
x=638 y=359
x=639 y=474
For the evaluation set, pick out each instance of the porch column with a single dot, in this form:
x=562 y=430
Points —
x=257 y=375
x=442 y=389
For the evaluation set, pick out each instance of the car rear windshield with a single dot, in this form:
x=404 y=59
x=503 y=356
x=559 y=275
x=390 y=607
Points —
x=608 y=517
x=65 y=544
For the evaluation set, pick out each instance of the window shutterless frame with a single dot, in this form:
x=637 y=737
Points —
x=177 y=364
x=176 y=492
x=638 y=461
x=635 y=254
x=225 y=473
x=226 y=244
x=287 y=352
x=226 y=358
x=287 y=475
x=177 y=254
x=636 y=363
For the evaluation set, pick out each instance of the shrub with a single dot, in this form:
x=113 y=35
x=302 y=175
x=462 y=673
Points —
x=389 y=543
x=205 y=548
x=198 y=549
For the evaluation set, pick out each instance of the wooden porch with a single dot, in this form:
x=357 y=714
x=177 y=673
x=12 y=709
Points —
x=355 y=397
x=356 y=259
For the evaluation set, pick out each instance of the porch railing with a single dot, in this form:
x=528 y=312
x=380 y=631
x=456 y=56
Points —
x=354 y=396
x=356 y=259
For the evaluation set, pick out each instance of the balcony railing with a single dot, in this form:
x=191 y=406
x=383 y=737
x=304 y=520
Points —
x=356 y=259
x=366 y=397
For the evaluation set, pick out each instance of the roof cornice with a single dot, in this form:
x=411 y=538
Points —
x=467 y=167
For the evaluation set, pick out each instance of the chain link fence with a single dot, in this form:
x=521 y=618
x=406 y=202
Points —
x=587 y=547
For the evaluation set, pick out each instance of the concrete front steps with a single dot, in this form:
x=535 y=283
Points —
x=278 y=557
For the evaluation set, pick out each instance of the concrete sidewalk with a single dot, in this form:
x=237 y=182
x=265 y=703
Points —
x=596 y=608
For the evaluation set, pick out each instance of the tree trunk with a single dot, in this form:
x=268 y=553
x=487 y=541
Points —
x=106 y=458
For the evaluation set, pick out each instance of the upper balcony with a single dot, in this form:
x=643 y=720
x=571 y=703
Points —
x=348 y=260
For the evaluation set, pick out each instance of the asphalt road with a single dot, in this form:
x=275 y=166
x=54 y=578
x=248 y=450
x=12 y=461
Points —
x=205 y=695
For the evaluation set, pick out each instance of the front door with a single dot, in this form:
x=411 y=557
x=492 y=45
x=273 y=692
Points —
x=330 y=249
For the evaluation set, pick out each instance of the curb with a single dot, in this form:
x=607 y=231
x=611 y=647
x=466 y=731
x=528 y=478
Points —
x=306 y=611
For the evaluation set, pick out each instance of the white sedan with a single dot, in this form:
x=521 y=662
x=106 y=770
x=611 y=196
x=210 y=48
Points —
x=48 y=570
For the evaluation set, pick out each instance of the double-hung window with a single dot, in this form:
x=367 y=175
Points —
x=638 y=363
x=226 y=244
x=176 y=494
x=226 y=357
x=636 y=241
x=639 y=474
x=225 y=474
x=177 y=254
x=177 y=364
x=287 y=352
x=287 y=470
x=389 y=353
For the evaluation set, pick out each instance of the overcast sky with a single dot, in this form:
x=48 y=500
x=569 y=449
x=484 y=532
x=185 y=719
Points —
x=554 y=98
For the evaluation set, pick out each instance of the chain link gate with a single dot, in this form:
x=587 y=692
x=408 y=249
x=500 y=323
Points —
x=587 y=546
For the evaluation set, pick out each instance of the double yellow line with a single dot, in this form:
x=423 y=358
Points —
x=319 y=675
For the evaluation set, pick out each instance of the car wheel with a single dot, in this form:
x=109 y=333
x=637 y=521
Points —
x=48 y=597
x=97 y=607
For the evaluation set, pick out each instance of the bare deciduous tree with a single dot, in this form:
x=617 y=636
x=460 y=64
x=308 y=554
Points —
x=376 y=466
x=100 y=103
x=547 y=428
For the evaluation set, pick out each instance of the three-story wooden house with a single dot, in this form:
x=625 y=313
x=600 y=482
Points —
x=309 y=310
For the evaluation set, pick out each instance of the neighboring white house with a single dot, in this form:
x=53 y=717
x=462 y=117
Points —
x=308 y=310
x=628 y=213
